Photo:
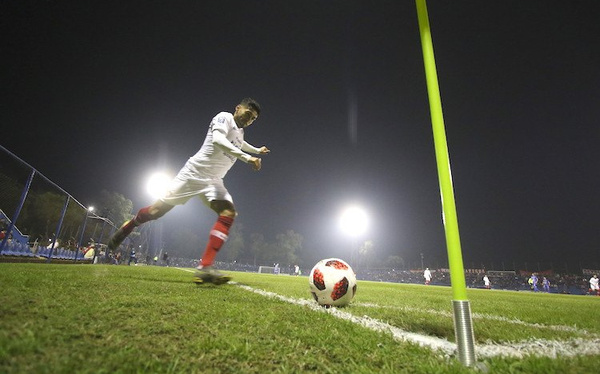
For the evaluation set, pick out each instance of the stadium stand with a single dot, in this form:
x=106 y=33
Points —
x=50 y=214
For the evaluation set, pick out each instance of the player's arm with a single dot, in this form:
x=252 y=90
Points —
x=247 y=147
x=221 y=141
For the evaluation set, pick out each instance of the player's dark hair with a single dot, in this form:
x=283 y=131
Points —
x=252 y=104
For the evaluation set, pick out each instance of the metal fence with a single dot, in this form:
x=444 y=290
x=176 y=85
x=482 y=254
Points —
x=40 y=219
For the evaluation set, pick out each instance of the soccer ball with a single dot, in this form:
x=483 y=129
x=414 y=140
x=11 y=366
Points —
x=332 y=282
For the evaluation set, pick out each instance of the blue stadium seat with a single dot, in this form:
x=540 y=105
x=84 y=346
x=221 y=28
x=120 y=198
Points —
x=43 y=251
x=9 y=249
x=24 y=250
x=18 y=249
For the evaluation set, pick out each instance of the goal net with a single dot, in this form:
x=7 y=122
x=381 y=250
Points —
x=266 y=270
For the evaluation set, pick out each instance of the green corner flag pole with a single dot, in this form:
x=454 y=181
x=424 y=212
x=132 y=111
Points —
x=462 y=312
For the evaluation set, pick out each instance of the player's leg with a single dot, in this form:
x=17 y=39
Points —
x=149 y=213
x=220 y=230
x=217 y=237
x=181 y=189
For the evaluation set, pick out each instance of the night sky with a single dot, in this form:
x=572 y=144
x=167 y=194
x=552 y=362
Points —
x=97 y=95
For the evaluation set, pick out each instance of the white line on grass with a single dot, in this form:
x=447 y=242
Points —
x=533 y=347
x=373 y=324
x=485 y=316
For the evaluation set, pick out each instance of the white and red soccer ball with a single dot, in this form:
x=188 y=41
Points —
x=332 y=282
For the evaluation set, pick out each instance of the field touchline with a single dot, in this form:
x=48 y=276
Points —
x=484 y=316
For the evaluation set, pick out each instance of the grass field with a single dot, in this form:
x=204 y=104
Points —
x=144 y=319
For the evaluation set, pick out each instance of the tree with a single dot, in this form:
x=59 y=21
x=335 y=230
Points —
x=235 y=243
x=395 y=262
x=11 y=194
x=73 y=223
x=115 y=207
x=44 y=213
x=258 y=248
x=366 y=251
x=185 y=244
x=286 y=246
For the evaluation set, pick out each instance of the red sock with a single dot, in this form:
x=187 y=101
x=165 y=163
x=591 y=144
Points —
x=218 y=236
x=142 y=216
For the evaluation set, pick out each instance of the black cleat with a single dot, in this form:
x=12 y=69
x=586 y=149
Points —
x=209 y=275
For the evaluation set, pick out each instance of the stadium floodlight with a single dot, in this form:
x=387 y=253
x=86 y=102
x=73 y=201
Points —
x=354 y=221
x=157 y=185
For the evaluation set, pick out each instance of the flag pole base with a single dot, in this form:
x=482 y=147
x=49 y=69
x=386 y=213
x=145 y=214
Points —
x=463 y=328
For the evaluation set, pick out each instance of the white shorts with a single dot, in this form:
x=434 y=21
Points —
x=186 y=185
x=594 y=287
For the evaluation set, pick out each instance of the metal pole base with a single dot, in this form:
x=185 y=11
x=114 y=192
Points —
x=463 y=328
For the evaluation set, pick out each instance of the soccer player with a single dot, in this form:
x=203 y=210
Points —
x=427 y=276
x=132 y=257
x=202 y=176
x=166 y=259
x=486 y=282
x=546 y=284
x=534 y=282
x=594 y=286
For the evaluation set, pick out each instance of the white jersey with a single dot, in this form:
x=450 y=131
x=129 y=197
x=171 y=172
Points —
x=427 y=274
x=217 y=156
x=594 y=283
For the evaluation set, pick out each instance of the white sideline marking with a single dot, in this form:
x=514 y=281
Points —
x=515 y=321
x=532 y=347
x=373 y=324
